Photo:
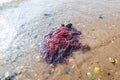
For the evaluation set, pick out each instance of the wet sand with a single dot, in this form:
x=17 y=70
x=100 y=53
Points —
x=99 y=22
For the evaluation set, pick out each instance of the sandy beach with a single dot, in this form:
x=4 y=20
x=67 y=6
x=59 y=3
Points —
x=23 y=24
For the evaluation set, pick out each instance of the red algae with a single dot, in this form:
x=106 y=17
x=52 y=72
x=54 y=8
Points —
x=59 y=44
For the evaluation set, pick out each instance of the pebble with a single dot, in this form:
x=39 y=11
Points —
x=73 y=66
x=51 y=65
x=37 y=58
x=108 y=73
x=23 y=70
x=112 y=41
x=62 y=25
x=89 y=75
x=96 y=70
x=113 y=60
x=47 y=15
x=7 y=74
x=91 y=63
x=67 y=71
x=51 y=71
x=101 y=17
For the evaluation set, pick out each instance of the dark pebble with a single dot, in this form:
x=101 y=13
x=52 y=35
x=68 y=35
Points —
x=62 y=25
x=101 y=17
x=108 y=74
x=47 y=14
x=69 y=25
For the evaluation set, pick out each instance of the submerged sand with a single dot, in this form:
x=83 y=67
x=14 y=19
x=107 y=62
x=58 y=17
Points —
x=99 y=22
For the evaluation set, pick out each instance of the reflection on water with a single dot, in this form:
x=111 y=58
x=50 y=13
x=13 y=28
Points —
x=7 y=32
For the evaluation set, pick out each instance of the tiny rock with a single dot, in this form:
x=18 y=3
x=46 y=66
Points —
x=51 y=71
x=113 y=60
x=7 y=74
x=89 y=75
x=96 y=70
x=67 y=71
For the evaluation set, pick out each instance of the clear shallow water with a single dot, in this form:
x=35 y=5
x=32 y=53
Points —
x=13 y=17
x=7 y=33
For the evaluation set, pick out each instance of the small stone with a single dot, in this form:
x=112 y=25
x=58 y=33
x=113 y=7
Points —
x=73 y=66
x=112 y=60
x=112 y=41
x=47 y=15
x=37 y=58
x=51 y=71
x=69 y=25
x=67 y=71
x=62 y=25
x=23 y=70
x=96 y=70
x=7 y=74
x=101 y=17
x=89 y=74
x=52 y=66
x=91 y=63
x=108 y=73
